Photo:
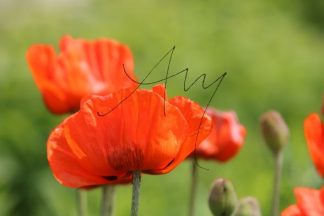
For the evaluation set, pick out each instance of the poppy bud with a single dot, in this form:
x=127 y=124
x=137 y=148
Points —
x=275 y=131
x=248 y=206
x=222 y=198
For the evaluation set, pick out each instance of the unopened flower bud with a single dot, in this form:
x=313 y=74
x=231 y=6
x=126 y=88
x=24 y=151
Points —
x=248 y=206
x=222 y=198
x=275 y=131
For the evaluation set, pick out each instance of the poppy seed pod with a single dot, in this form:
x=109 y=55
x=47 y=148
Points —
x=222 y=198
x=275 y=131
x=248 y=206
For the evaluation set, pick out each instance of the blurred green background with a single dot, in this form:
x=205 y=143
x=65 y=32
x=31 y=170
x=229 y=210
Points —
x=273 y=52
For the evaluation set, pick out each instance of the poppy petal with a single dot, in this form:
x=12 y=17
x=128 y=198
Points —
x=310 y=201
x=225 y=139
x=232 y=136
x=199 y=126
x=103 y=62
x=292 y=210
x=135 y=135
x=81 y=68
x=314 y=133
x=65 y=163
x=56 y=101
x=160 y=89
x=41 y=59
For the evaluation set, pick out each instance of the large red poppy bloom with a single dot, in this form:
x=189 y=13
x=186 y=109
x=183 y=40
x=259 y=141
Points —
x=314 y=133
x=226 y=138
x=104 y=143
x=82 y=67
x=310 y=202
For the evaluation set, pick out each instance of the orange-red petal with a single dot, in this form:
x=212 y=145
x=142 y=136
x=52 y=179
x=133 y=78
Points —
x=199 y=126
x=102 y=61
x=310 y=201
x=111 y=140
x=41 y=59
x=82 y=67
x=314 y=133
x=137 y=132
x=225 y=139
x=113 y=135
x=292 y=210
x=68 y=169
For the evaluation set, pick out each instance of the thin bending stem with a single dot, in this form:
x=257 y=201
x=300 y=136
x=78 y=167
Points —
x=108 y=195
x=136 y=191
x=276 y=184
x=193 y=188
x=81 y=196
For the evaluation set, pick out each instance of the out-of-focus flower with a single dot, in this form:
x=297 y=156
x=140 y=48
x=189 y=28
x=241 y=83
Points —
x=82 y=67
x=222 y=198
x=110 y=137
x=225 y=139
x=275 y=131
x=314 y=133
x=292 y=210
x=310 y=202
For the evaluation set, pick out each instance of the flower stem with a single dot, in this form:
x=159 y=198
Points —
x=81 y=202
x=136 y=190
x=193 y=188
x=108 y=195
x=276 y=184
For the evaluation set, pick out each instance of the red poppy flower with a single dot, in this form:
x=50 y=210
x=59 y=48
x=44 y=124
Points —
x=109 y=137
x=310 y=202
x=225 y=139
x=314 y=133
x=83 y=67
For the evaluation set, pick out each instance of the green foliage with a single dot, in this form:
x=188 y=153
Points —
x=273 y=53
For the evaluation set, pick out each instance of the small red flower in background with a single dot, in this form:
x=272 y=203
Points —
x=310 y=202
x=104 y=143
x=83 y=67
x=314 y=133
x=226 y=138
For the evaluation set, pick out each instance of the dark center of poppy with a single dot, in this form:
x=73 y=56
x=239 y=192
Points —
x=128 y=158
x=110 y=178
